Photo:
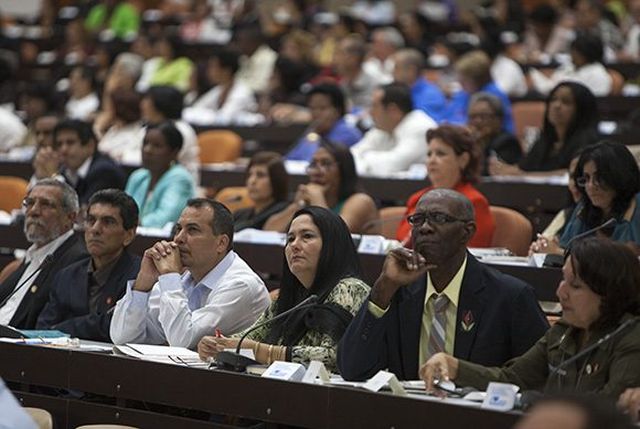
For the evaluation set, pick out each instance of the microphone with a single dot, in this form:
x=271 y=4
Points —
x=557 y=260
x=46 y=261
x=611 y=335
x=234 y=361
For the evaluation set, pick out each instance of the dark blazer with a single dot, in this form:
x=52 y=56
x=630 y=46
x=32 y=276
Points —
x=68 y=306
x=103 y=173
x=27 y=313
x=498 y=318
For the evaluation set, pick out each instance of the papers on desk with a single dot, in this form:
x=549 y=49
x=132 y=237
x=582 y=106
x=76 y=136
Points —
x=257 y=236
x=562 y=179
x=162 y=354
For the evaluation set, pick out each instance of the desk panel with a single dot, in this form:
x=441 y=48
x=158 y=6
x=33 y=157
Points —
x=198 y=389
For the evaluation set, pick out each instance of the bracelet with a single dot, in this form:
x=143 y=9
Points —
x=256 y=347
x=270 y=355
x=283 y=353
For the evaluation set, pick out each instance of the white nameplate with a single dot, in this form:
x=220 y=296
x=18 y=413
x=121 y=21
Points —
x=500 y=396
x=285 y=371
x=316 y=373
x=372 y=244
x=382 y=379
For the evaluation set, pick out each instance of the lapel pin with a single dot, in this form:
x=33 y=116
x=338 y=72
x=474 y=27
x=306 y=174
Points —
x=467 y=321
x=109 y=300
x=589 y=369
x=34 y=289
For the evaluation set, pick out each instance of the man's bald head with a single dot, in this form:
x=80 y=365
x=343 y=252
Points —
x=460 y=205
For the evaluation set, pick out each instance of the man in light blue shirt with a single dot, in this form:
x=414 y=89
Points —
x=217 y=291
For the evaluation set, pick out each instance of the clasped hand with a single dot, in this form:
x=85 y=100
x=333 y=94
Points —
x=162 y=258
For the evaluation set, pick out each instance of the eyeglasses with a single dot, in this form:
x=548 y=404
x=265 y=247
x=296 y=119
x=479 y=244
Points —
x=29 y=202
x=323 y=165
x=434 y=218
x=583 y=180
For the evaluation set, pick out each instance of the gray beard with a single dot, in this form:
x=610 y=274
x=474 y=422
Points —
x=40 y=239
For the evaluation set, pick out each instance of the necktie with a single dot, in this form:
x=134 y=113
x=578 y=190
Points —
x=437 y=334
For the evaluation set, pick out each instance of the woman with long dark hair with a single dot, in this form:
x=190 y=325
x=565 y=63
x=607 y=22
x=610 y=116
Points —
x=608 y=179
x=321 y=260
x=570 y=123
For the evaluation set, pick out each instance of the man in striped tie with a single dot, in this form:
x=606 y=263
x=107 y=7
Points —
x=438 y=297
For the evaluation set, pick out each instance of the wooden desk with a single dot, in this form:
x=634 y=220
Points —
x=126 y=380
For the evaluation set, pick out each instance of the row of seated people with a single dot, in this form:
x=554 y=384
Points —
x=434 y=311
x=454 y=159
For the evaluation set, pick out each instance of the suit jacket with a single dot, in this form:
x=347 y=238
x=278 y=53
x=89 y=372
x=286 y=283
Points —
x=27 y=313
x=68 y=306
x=103 y=173
x=498 y=318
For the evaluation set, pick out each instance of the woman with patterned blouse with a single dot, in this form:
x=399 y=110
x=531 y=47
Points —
x=321 y=259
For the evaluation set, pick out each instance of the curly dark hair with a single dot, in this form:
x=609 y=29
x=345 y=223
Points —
x=611 y=270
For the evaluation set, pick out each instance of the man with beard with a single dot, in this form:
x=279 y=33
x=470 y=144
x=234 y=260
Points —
x=438 y=297
x=50 y=208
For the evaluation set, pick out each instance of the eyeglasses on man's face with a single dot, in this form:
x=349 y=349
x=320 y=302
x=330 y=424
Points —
x=434 y=218
x=30 y=202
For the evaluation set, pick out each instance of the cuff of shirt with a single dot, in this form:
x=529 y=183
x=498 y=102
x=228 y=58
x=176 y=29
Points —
x=376 y=311
x=169 y=282
x=139 y=299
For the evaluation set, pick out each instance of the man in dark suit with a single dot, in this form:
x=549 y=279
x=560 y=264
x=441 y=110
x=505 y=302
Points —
x=438 y=297
x=50 y=208
x=85 y=168
x=83 y=294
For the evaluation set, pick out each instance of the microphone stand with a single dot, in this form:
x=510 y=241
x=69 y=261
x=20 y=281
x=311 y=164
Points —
x=556 y=261
x=234 y=361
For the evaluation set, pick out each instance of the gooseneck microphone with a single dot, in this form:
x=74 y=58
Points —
x=552 y=260
x=611 y=335
x=234 y=361
x=46 y=261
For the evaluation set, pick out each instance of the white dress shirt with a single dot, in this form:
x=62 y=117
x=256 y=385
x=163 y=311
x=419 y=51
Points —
x=82 y=108
x=239 y=106
x=180 y=312
x=12 y=130
x=594 y=76
x=35 y=257
x=508 y=76
x=255 y=71
x=381 y=153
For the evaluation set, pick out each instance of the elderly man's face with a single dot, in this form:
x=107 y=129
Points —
x=45 y=218
x=445 y=231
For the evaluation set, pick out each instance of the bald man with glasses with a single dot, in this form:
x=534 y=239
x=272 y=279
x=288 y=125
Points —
x=438 y=297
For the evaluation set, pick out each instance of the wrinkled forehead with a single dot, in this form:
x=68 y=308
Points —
x=430 y=202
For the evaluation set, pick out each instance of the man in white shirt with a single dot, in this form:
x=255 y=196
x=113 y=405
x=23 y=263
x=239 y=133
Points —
x=398 y=139
x=50 y=208
x=384 y=43
x=258 y=59
x=218 y=291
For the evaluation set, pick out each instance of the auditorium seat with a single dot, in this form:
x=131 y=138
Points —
x=234 y=197
x=13 y=191
x=513 y=230
x=390 y=218
x=526 y=115
x=219 y=146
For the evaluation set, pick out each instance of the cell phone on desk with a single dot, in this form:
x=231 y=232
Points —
x=450 y=388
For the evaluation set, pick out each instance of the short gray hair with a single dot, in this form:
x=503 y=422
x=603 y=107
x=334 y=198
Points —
x=464 y=205
x=493 y=102
x=411 y=56
x=392 y=36
x=69 y=196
